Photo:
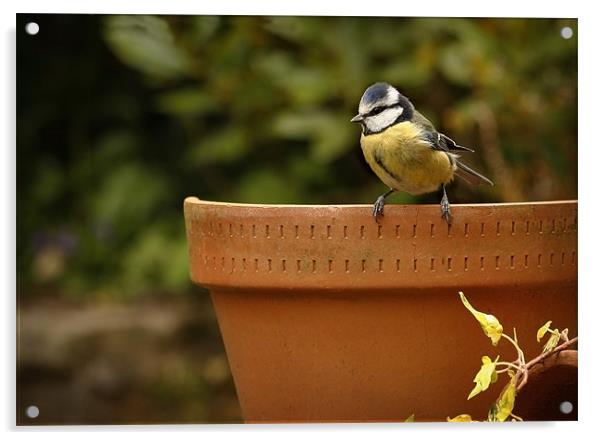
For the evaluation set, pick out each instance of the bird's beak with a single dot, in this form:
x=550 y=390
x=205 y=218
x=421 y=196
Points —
x=357 y=118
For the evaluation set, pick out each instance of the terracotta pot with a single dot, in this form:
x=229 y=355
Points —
x=327 y=315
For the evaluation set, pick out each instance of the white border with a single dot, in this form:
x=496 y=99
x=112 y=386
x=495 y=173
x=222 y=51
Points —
x=463 y=8
x=590 y=196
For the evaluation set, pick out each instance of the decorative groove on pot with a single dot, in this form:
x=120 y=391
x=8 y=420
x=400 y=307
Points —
x=342 y=247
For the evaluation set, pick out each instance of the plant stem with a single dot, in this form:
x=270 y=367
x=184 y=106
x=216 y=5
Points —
x=520 y=419
x=540 y=358
x=521 y=355
x=508 y=366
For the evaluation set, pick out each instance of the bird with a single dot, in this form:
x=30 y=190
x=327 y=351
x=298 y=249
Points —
x=404 y=149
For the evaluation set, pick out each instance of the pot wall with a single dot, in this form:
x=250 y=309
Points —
x=327 y=315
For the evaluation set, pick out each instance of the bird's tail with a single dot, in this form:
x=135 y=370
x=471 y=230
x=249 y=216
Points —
x=471 y=176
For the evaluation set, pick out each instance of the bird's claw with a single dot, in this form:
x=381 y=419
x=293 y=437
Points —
x=445 y=209
x=447 y=215
x=379 y=207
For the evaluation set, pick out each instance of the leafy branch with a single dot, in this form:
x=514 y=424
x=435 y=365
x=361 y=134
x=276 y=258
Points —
x=517 y=370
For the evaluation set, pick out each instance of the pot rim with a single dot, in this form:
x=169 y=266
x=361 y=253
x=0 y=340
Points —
x=343 y=248
x=195 y=200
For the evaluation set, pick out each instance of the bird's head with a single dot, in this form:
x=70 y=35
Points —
x=382 y=106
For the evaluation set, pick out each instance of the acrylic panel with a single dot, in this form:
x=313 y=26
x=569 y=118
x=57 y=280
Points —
x=195 y=231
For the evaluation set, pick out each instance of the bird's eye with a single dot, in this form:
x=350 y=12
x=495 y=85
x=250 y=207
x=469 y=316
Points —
x=376 y=110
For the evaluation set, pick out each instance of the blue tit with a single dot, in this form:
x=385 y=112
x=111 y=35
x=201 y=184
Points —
x=405 y=151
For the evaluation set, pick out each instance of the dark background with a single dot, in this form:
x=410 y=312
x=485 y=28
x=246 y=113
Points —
x=119 y=118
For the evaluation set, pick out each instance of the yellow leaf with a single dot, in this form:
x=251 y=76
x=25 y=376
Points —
x=461 y=418
x=409 y=419
x=552 y=342
x=504 y=405
x=489 y=323
x=485 y=376
x=542 y=330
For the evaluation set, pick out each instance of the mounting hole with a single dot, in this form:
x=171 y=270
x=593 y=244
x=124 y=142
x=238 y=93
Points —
x=566 y=32
x=32 y=411
x=32 y=28
x=566 y=407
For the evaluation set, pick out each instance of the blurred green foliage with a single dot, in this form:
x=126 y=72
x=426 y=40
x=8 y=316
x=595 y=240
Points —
x=121 y=117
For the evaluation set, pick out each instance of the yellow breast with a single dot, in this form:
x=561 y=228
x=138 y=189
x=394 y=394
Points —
x=404 y=161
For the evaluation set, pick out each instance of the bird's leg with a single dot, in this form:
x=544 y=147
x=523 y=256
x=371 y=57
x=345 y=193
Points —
x=379 y=205
x=445 y=211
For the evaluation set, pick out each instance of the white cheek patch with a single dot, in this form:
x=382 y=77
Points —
x=383 y=120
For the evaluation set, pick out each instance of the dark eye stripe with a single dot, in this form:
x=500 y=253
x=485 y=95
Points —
x=376 y=110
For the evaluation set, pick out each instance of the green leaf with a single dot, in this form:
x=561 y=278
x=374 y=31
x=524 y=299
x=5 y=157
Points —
x=204 y=26
x=299 y=125
x=327 y=147
x=147 y=44
x=268 y=186
x=128 y=196
x=489 y=323
x=225 y=146
x=186 y=101
x=330 y=135
x=542 y=330
x=455 y=63
x=292 y=28
x=408 y=74
x=157 y=258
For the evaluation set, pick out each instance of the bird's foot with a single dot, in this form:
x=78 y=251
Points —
x=379 y=207
x=445 y=209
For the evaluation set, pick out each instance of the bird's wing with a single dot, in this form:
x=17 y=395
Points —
x=438 y=141
x=450 y=144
